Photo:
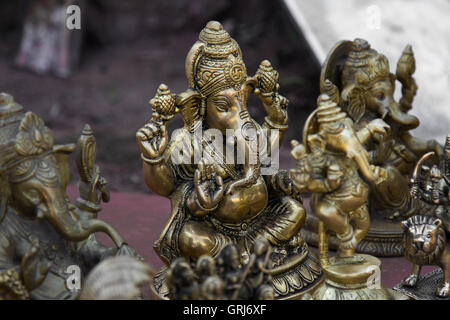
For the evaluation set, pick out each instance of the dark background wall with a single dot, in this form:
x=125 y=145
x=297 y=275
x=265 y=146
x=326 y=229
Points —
x=129 y=48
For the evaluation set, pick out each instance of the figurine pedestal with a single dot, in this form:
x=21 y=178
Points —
x=425 y=289
x=350 y=280
x=384 y=238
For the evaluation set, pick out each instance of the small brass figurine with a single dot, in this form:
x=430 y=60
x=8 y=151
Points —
x=41 y=232
x=426 y=238
x=333 y=165
x=215 y=201
x=224 y=277
x=425 y=243
x=358 y=79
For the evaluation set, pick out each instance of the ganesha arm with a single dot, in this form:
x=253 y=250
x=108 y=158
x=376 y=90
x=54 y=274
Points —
x=419 y=146
x=319 y=184
x=159 y=177
x=276 y=121
x=274 y=137
x=370 y=129
x=323 y=185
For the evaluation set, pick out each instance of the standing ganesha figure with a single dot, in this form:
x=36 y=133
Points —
x=334 y=166
x=216 y=201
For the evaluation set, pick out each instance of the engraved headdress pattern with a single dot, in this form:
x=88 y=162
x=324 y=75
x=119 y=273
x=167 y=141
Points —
x=214 y=62
x=364 y=65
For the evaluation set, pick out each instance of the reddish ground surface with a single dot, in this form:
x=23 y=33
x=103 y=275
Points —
x=141 y=217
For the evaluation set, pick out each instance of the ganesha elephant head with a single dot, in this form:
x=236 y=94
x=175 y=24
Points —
x=218 y=94
x=34 y=175
x=336 y=133
x=366 y=84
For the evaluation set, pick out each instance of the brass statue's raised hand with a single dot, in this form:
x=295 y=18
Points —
x=267 y=91
x=277 y=111
x=153 y=139
x=267 y=78
x=208 y=186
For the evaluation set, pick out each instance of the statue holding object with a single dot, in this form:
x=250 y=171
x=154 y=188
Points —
x=358 y=79
x=216 y=199
x=334 y=166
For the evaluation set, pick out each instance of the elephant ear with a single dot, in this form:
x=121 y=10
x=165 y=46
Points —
x=192 y=59
x=62 y=153
x=353 y=101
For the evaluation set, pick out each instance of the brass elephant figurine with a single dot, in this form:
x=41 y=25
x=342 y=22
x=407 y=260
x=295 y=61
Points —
x=221 y=197
x=41 y=232
x=359 y=80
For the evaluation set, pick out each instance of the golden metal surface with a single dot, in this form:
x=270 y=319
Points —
x=41 y=232
x=215 y=202
x=426 y=238
x=334 y=166
x=358 y=79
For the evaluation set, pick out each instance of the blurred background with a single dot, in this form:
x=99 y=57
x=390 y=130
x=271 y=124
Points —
x=105 y=72
x=124 y=50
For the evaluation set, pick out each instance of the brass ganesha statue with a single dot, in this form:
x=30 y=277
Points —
x=359 y=80
x=41 y=232
x=333 y=165
x=219 y=197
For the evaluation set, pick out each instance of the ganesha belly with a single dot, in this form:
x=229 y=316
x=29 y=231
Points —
x=216 y=171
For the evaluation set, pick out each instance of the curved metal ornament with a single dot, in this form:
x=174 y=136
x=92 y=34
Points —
x=86 y=154
x=419 y=165
x=334 y=63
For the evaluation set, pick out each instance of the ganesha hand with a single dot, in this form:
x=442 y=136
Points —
x=277 y=110
x=379 y=128
x=209 y=187
x=267 y=78
x=152 y=140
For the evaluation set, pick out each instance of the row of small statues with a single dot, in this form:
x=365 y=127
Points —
x=238 y=227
